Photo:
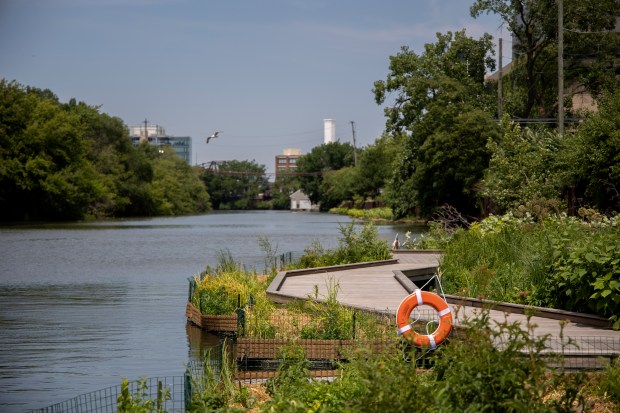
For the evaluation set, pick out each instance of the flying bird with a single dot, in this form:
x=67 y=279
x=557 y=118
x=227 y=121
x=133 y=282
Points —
x=213 y=136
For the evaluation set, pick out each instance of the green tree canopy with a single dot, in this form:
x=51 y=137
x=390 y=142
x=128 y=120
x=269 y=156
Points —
x=324 y=158
x=235 y=184
x=592 y=156
x=591 y=46
x=523 y=167
x=443 y=110
x=69 y=161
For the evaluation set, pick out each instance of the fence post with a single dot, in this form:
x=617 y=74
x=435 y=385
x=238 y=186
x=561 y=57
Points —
x=159 y=397
x=240 y=322
x=187 y=390
x=354 y=319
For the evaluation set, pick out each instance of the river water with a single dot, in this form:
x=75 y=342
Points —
x=83 y=305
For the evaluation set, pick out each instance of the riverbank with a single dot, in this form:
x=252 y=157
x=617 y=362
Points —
x=379 y=215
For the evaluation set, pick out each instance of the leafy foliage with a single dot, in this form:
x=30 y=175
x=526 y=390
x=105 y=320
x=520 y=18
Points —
x=68 y=161
x=324 y=158
x=353 y=246
x=558 y=261
x=236 y=184
x=442 y=109
x=593 y=156
x=139 y=401
x=523 y=166
x=493 y=367
x=590 y=49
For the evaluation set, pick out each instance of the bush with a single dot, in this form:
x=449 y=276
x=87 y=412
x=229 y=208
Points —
x=585 y=274
x=353 y=247
x=223 y=289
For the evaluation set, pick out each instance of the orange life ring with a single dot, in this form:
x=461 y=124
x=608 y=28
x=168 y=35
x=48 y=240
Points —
x=419 y=297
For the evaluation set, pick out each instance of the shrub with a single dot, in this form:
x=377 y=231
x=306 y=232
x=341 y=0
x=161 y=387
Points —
x=610 y=384
x=585 y=274
x=499 y=367
x=362 y=246
x=223 y=289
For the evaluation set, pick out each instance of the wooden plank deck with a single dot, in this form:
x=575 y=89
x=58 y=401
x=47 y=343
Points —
x=377 y=288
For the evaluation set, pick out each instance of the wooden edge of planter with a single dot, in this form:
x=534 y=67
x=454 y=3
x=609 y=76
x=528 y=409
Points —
x=209 y=322
x=342 y=267
x=551 y=313
x=268 y=349
x=269 y=374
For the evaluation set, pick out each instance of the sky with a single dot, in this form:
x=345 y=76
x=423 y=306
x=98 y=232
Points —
x=265 y=73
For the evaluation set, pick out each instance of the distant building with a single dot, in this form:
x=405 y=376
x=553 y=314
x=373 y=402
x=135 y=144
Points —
x=156 y=135
x=287 y=162
x=301 y=202
x=329 y=131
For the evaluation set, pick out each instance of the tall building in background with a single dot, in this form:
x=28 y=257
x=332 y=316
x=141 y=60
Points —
x=156 y=135
x=287 y=162
x=329 y=134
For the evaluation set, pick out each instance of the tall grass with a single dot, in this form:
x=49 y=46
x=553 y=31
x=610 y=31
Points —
x=372 y=214
x=223 y=289
x=556 y=261
x=353 y=246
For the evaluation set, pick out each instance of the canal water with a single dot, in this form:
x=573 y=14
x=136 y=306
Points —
x=83 y=305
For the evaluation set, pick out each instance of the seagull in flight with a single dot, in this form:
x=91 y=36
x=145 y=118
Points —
x=213 y=136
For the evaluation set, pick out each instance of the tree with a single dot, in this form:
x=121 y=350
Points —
x=593 y=156
x=68 y=161
x=283 y=187
x=45 y=171
x=324 y=158
x=177 y=186
x=443 y=111
x=338 y=186
x=523 y=167
x=376 y=164
x=236 y=184
x=533 y=25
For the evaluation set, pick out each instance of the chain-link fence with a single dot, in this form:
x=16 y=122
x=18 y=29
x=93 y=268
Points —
x=168 y=394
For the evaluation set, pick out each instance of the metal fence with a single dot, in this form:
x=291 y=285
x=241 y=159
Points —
x=168 y=394
x=253 y=360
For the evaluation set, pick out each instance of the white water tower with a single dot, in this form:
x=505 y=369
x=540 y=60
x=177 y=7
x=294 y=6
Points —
x=329 y=134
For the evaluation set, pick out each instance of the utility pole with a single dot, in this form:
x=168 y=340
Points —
x=500 y=91
x=354 y=146
x=561 y=67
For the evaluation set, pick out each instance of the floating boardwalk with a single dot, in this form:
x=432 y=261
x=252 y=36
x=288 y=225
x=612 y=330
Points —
x=381 y=286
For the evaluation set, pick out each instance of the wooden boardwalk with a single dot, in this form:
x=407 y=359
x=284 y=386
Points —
x=381 y=286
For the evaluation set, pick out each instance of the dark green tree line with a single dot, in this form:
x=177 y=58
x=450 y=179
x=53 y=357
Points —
x=69 y=161
x=236 y=184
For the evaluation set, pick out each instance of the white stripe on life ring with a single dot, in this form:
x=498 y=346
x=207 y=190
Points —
x=444 y=312
x=418 y=295
x=404 y=329
x=432 y=340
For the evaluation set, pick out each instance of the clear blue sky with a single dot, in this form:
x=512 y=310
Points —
x=265 y=72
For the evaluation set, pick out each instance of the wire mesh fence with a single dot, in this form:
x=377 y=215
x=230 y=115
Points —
x=166 y=394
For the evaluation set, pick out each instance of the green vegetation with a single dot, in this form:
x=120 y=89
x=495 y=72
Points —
x=139 y=401
x=353 y=247
x=468 y=375
x=225 y=288
x=373 y=214
x=236 y=185
x=544 y=260
x=67 y=161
